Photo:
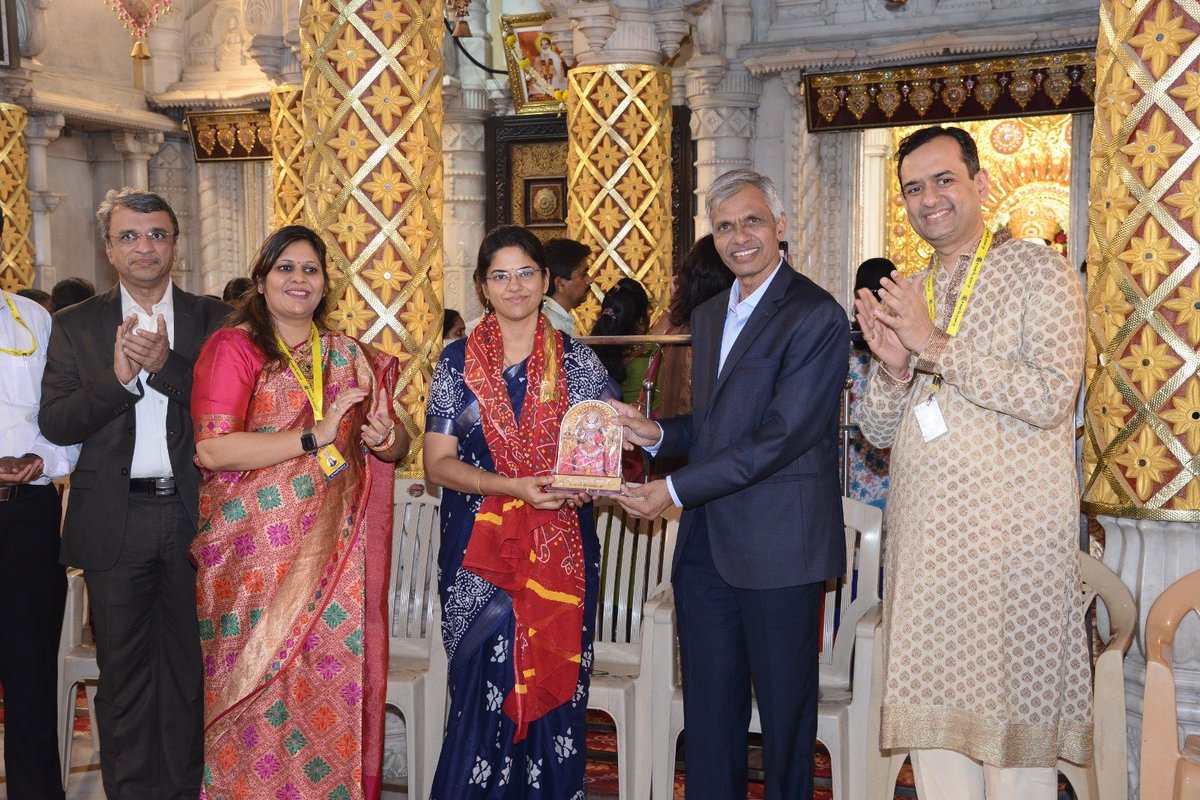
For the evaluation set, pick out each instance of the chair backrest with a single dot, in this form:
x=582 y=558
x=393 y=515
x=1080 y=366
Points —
x=849 y=597
x=1117 y=621
x=74 y=614
x=1161 y=753
x=412 y=585
x=635 y=562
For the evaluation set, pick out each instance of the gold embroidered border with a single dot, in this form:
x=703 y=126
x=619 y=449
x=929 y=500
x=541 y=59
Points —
x=16 y=260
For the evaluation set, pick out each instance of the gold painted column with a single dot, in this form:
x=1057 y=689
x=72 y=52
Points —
x=1142 y=407
x=16 y=260
x=1142 y=426
x=373 y=112
x=287 y=156
x=619 y=145
x=619 y=177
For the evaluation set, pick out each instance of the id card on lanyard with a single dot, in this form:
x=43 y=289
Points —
x=928 y=412
x=328 y=457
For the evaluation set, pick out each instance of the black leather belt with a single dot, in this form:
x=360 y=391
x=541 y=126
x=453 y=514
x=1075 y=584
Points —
x=155 y=487
x=9 y=491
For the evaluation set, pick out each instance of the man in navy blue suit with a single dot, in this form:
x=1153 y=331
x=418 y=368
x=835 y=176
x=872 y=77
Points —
x=761 y=530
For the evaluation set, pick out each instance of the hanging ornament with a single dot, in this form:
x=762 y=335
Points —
x=457 y=9
x=138 y=16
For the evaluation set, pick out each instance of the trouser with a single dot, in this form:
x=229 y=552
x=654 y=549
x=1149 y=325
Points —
x=149 y=703
x=33 y=590
x=726 y=635
x=948 y=775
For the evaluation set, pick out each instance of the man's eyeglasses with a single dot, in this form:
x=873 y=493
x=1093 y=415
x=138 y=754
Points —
x=130 y=238
x=524 y=275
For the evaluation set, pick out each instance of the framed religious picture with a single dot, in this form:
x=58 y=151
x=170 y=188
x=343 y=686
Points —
x=545 y=202
x=537 y=72
x=589 y=450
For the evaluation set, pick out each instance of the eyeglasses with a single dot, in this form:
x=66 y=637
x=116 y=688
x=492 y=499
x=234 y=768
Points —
x=131 y=238
x=524 y=275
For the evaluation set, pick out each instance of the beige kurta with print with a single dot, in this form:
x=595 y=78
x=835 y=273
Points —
x=984 y=644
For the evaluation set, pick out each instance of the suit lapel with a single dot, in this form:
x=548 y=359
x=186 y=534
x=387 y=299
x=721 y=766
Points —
x=708 y=348
x=761 y=315
x=109 y=320
x=184 y=307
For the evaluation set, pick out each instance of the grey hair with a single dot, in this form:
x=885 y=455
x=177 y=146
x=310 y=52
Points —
x=135 y=200
x=734 y=181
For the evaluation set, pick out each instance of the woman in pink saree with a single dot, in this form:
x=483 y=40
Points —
x=295 y=433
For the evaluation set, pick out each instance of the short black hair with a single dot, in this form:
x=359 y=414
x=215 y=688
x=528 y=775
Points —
x=70 y=291
x=135 y=200
x=563 y=257
x=36 y=295
x=236 y=289
x=966 y=145
x=449 y=318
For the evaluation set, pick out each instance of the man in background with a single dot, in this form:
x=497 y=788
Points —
x=569 y=281
x=33 y=586
x=70 y=291
x=119 y=381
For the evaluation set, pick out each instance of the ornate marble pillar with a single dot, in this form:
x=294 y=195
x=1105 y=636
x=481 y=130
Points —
x=16 y=258
x=42 y=130
x=619 y=148
x=373 y=110
x=1142 y=407
x=288 y=152
x=463 y=222
x=136 y=149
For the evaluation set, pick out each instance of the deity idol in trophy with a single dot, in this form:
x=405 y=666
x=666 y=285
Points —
x=589 y=450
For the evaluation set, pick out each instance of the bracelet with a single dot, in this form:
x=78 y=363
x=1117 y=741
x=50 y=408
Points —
x=479 y=483
x=387 y=443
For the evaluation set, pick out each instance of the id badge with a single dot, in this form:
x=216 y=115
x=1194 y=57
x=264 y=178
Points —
x=331 y=461
x=929 y=417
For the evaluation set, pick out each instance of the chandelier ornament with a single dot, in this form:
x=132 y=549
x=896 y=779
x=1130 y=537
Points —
x=458 y=10
x=138 y=16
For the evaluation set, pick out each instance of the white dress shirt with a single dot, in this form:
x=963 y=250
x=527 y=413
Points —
x=21 y=389
x=150 y=456
x=736 y=315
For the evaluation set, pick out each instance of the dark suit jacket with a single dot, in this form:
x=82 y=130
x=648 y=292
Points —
x=82 y=401
x=761 y=440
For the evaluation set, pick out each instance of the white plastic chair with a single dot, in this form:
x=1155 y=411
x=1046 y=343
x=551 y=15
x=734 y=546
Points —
x=1104 y=778
x=844 y=692
x=416 y=684
x=635 y=566
x=76 y=663
x=1168 y=772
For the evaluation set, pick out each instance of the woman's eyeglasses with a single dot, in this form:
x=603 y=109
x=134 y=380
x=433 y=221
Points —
x=524 y=275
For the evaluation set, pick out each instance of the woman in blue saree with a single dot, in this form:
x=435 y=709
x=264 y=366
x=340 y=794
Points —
x=514 y=558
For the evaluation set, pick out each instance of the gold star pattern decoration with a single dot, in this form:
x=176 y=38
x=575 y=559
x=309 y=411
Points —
x=1187 y=199
x=16 y=255
x=1112 y=204
x=1149 y=363
x=1107 y=411
x=1145 y=461
x=374 y=110
x=1109 y=308
x=1186 y=305
x=1161 y=38
x=1153 y=149
x=1184 y=415
x=1151 y=255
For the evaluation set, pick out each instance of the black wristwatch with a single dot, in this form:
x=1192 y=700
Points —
x=308 y=441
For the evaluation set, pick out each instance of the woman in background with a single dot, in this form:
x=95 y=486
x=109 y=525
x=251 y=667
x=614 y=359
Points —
x=625 y=311
x=496 y=404
x=296 y=436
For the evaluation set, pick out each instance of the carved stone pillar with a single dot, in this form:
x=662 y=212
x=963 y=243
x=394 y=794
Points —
x=463 y=222
x=1141 y=429
x=172 y=174
x=618 y=148
x=289 y=151
x=136 y=149
x=16 y=260
x=374 y=181
x=39 y=133
x=723 y=98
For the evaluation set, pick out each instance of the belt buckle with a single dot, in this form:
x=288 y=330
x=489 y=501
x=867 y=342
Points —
x=8 y=491
x=164 y=487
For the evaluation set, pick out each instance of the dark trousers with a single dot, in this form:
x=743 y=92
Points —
x=726 y=636
x=33 y=591
x=149 y=703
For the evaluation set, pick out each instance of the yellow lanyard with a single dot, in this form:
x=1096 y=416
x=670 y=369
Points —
x=313 y=391
x=964 y=295
x=12 y=307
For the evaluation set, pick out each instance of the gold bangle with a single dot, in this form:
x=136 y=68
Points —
x=479 y=482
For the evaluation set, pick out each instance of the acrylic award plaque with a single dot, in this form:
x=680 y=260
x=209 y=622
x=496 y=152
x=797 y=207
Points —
x=589 y=450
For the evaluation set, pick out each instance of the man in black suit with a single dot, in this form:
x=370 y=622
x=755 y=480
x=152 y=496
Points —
x=119 y=381
x=762 y=525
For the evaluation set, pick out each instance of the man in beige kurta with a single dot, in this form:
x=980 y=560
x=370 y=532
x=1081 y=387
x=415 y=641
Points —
x=986 y=667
